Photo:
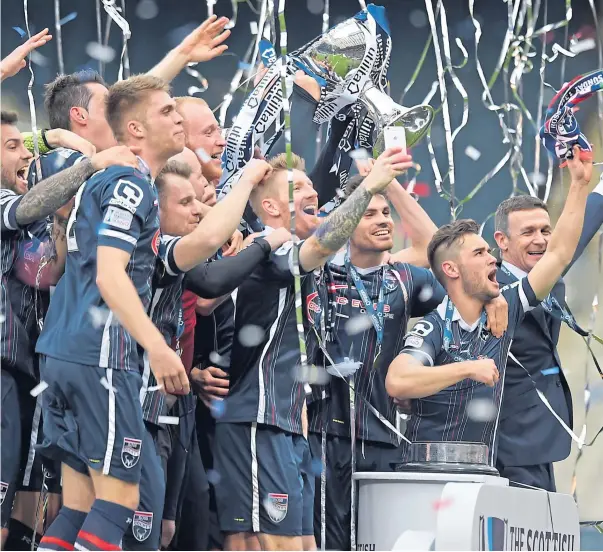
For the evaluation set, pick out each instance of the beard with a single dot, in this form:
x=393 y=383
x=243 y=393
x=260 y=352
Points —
x=7 y=182
x=474 y=287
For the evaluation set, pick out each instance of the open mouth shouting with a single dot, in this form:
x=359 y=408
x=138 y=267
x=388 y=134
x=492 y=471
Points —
x=311 y=209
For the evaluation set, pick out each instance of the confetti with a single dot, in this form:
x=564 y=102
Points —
x=69 y=17
x=442 y=503
x=217 y=360
x=147 y=9
x=315 y=6
x=481 y=410
x=538 y=179
x=344 y=369
x=203 y=155
x=38 y=58
x=213 y=477
x=217 y=408
x=100 y=52
x=168 y=420
x=418 y=19
x=358 y=324
x=98 y=316
x=313 y=375
x=192 y=90
x=106 y=385
x=39 y=389
x=473 y=153
x=360 y=154
x=2 y=318
x=253 y=27
x=21 y=32
x=425 y=294
x=251 y=335
x=316 y=467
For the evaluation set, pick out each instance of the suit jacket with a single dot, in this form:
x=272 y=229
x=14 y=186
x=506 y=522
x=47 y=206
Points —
x=528 y=432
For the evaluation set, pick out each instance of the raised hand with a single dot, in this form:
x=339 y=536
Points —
x=581 y=170
x=15 y=61
x=117 y=155
x=205 y=42
x=389 y=165
x=256 y=171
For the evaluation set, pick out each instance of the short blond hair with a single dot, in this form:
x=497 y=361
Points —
x=268 y=189
x=127 y=95
x=181 y=100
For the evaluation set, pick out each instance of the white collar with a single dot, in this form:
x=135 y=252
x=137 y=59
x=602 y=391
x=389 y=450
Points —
x=456 y=316
x=339 y=260
x=144 y=168
x=516 y=271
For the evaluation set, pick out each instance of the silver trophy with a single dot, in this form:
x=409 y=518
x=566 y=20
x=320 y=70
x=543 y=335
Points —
x=384 y=113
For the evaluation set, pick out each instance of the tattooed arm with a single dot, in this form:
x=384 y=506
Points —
x=56 y=267
x=55 y=191
x=335 y=231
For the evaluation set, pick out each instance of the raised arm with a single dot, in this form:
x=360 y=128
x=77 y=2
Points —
x=218 y=225
x=15 y=61
x=203 y=44
x=55 y=191
x=416 y=224
x=336 y=229
x=593 y=219
x=564 y=240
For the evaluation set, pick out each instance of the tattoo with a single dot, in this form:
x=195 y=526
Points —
x=333 y=233
x=59 y=229
x=52 y=193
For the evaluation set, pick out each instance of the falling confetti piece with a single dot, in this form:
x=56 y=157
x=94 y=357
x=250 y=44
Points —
x=538 y=179
x=251 y=335
x=314 y=375
x=203 y=155
x=253 y=27
x=425 y=294
x=106 y=385
x=168 y=420
x=442 y=503
x=39 y=389
x=217 y=407
x=98 y=316
x=316 y=467
x=213 y=477
x=217 y=360
x=38 y=59
x=316 y=6
x=147 y=9
x=358 y=324
x=2 y=318
x=481 y=410
x=100 y=52
x=192 y=90
x=21 y=32
x=360 y=154
x=344 y=369
x=69 y=17
x=418 y=19
x=473 y=153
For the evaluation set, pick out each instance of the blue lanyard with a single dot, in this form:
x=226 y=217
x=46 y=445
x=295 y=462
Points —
x=448 y=337
x=376 y=315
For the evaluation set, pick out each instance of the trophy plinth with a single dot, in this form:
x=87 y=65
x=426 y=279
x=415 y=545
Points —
x=448 y=457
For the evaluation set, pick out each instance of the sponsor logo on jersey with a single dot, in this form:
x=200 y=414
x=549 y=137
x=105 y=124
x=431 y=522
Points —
x=114 y=216
x=142 y=525
x=130 y=452
x=155 y=242
x=276 y=506
x=127 y=195
x=413 y=341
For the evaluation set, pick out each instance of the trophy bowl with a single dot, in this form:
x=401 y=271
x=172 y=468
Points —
x=447 y=457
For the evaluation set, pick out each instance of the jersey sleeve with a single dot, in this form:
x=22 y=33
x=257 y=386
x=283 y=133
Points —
x=521 y=299
x=166 y=254
x=53 y=162
x=427 y=292
x=279 y=265
x=424 y=342
x=125 y=203
x=9 y=201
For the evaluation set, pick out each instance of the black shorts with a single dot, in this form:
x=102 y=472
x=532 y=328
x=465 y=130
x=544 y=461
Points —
x=266 y=481
x=11 y=445
x=91 y=425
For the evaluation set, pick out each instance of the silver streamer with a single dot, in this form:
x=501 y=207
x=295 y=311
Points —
x=114 y=15
x=58 y=35
x=99 y=33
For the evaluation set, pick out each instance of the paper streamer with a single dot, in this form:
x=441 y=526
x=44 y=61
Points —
x=99 y=33
x=58 y=35
x=114 y=15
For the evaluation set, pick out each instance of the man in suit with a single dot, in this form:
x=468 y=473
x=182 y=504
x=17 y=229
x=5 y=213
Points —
x=530 y=439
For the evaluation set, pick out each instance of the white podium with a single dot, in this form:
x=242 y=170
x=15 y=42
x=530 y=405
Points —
x=458 y=511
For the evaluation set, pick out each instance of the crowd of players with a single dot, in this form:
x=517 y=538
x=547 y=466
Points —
x=151 y=390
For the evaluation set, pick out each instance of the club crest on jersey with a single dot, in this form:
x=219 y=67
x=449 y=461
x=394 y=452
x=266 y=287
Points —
x=3 y=490
x=312 y=306
x=390 y=282
x=130 y=452
x=142 y=525
x=276 y=506
x=155 y=242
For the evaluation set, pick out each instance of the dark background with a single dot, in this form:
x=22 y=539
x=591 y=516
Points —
x=152 y=38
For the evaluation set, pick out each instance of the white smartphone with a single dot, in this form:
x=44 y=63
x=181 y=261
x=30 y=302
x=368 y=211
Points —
x=395 y=137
